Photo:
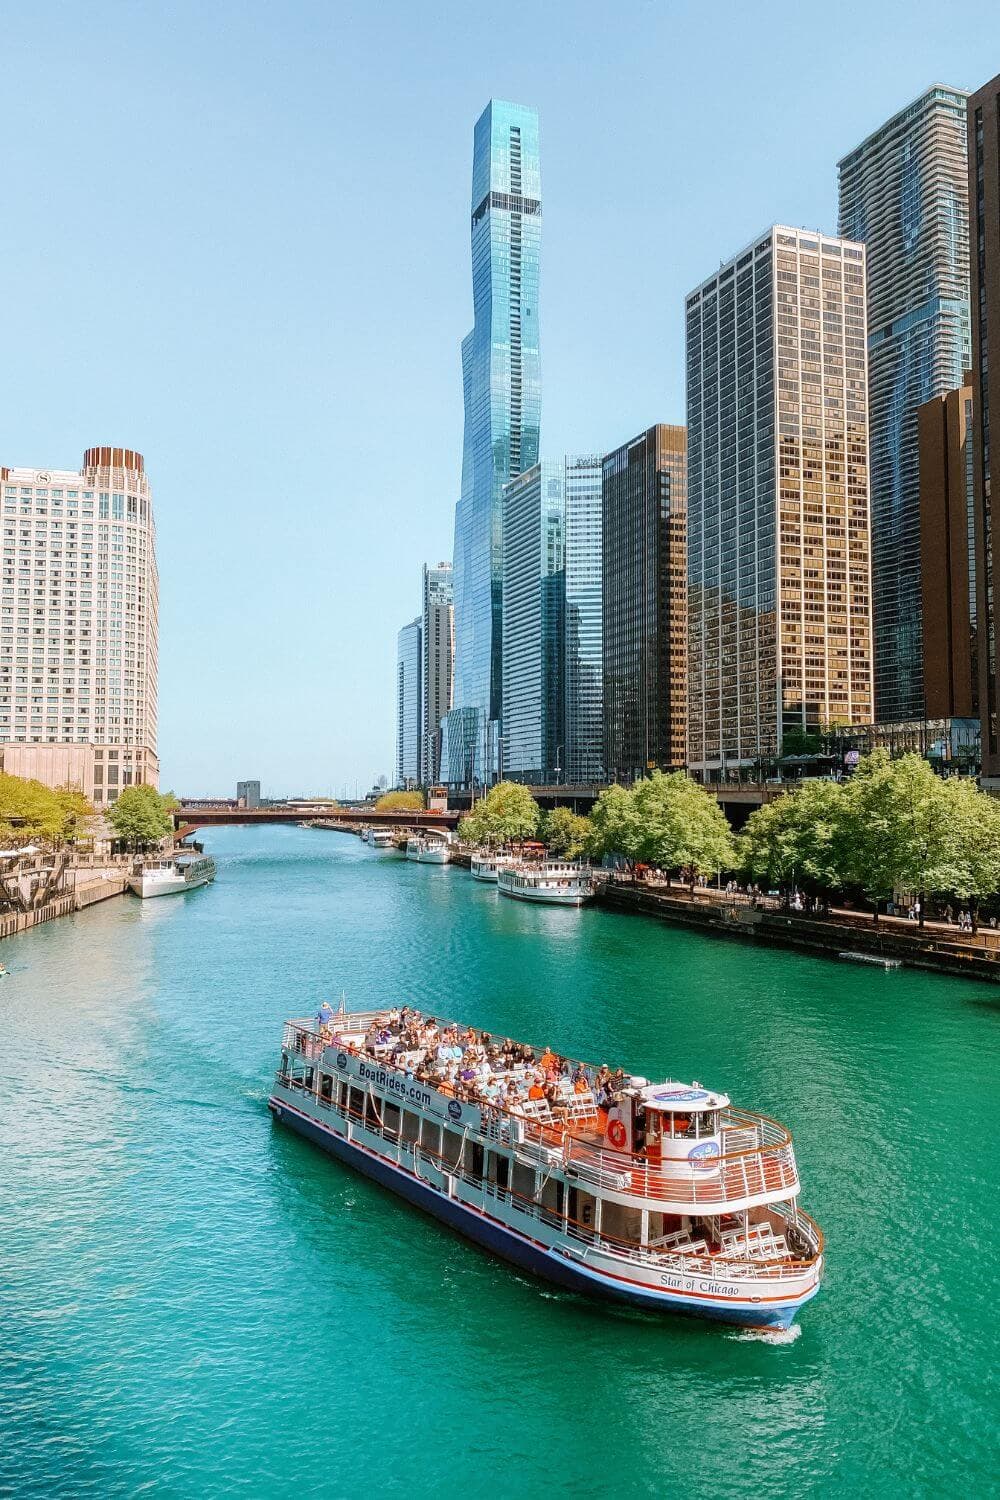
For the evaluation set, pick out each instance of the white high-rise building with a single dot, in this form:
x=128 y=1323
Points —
x=409 y=719
x=438 y=644
x=78 y=624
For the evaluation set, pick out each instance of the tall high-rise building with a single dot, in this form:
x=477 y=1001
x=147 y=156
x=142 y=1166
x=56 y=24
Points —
x=502 y=384
x=78 y=627
x=984 y=199
x=644 y=485
x=534 y=592
x=248 y=793
x=779 y=594
x=409 y=718
x=947 y=556
x=904 y=192
x=438 y=644
x=584 y=669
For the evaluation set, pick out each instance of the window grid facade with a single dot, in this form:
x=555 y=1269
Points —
x=779 y=593
x=409 y=720
x=534 y=591
x=644 y=505
x=79 y=623
x=584 y=630
x=904 y=192
x=438 y=645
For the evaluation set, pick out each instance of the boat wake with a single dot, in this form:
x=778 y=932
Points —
x=779 y=1336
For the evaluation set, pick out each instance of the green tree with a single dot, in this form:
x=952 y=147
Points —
x=894 y=834
x=400 y=802
x=508 y=814
x=614 y=825
x=31 y=812
x=140 y=815
x=795 y=837
x=800 y=742
x=681 y=825
x=564 y=832
x=973 y=821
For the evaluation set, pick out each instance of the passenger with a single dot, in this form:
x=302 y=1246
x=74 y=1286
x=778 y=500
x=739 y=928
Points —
x=536 y=1089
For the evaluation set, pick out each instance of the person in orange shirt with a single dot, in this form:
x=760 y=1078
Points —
x=536 y=1090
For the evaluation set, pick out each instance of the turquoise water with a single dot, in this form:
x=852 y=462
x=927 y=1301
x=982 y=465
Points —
x=194 y=1301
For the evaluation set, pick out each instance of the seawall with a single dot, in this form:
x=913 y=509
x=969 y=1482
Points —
x=62 y=906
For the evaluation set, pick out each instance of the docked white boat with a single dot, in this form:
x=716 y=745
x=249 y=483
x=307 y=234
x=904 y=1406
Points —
x=380 y=838
x=660 y=1195
x=556 y=882
x=428 y=851
x=168 y=877
x=486 y=865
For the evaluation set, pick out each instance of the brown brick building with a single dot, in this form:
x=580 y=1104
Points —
x=947 y=556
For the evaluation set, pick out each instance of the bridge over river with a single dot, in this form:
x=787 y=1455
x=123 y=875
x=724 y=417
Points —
x=192 y=815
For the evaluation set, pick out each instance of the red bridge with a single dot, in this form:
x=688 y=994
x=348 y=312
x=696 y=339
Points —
x=221 y=814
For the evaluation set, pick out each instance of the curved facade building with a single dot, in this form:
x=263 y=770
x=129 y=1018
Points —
x=904 y=193
x=502 y=386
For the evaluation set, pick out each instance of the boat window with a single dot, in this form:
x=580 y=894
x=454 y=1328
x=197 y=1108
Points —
x=373 y=1111
x=307 y=1082
x=325 y=1087
x=411 y=1126
x=357 y=1103
x=452 y=1148
x=342 y=1094
x=430 y=1136
x=498 y=1169
x=390 y=1117
x=523 y=1184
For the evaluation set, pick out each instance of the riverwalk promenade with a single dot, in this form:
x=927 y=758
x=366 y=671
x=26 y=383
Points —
x=937 y=945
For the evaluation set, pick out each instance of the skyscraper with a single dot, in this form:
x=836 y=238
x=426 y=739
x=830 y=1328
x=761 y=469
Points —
x=984 y=198
x=904 y=192
x=947 y=556
x=438 y=646
x=534 y=592
x=79 y=631
x=584 y=669
x=502 y=388
x=779 y=635
x=644 y=486
x=409 y=719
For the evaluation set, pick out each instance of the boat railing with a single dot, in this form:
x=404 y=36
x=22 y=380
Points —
x=584 y=1236
x=757 y=1158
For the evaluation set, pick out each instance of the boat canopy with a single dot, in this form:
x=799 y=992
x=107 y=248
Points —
x=681 y=1098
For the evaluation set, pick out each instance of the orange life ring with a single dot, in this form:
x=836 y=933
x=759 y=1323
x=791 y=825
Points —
x=617 y=1134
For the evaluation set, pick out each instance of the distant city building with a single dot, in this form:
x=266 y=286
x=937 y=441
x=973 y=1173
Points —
x=409 y=716
x=248 y=793
x=984 y=197
x=904 y=192
x=779 y=635
x=534 y=592
x=584 y=630
x=78 y=628
x=502 y=386
x=947 y=556
x=644 y=484
x=438 y=641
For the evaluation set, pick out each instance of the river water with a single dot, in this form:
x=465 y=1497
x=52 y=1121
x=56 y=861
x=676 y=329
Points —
x=195 y=1302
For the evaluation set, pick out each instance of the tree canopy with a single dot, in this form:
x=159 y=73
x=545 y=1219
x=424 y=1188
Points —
x=664 y=820
x=33 y=812
x=565 y=832
x=508 y=814
x=795 y=839
x=400 y=802
x=141 y=815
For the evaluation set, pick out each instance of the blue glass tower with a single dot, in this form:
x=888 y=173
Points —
x=502 y=384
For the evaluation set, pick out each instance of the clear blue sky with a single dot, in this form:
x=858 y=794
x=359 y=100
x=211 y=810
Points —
x=236 y=237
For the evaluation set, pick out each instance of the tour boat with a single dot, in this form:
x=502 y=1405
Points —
x=165 y=877
x=557 y=882
x=379 y=838
x=428 y=851
x=487 y=866
x=663 y=1195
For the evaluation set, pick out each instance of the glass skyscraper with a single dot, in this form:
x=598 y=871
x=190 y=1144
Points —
x=502 y=387
x=409 y=721
x=904 y=192
x=439 y=656
x=534 y=593
x=584 y=669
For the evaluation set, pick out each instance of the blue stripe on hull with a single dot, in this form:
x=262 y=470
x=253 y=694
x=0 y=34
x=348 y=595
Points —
x=508 y=1244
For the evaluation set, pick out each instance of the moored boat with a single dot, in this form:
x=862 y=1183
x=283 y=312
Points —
x=660 y=1195
x=380 y=838
x=486 y=864
x=555 y=882
x=168 y=877
x=428 y=851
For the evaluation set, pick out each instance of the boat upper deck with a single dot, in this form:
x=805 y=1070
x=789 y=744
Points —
x=668 y=1141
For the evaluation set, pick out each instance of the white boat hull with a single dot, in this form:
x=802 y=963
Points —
x=166 y=885
x=547 y=898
